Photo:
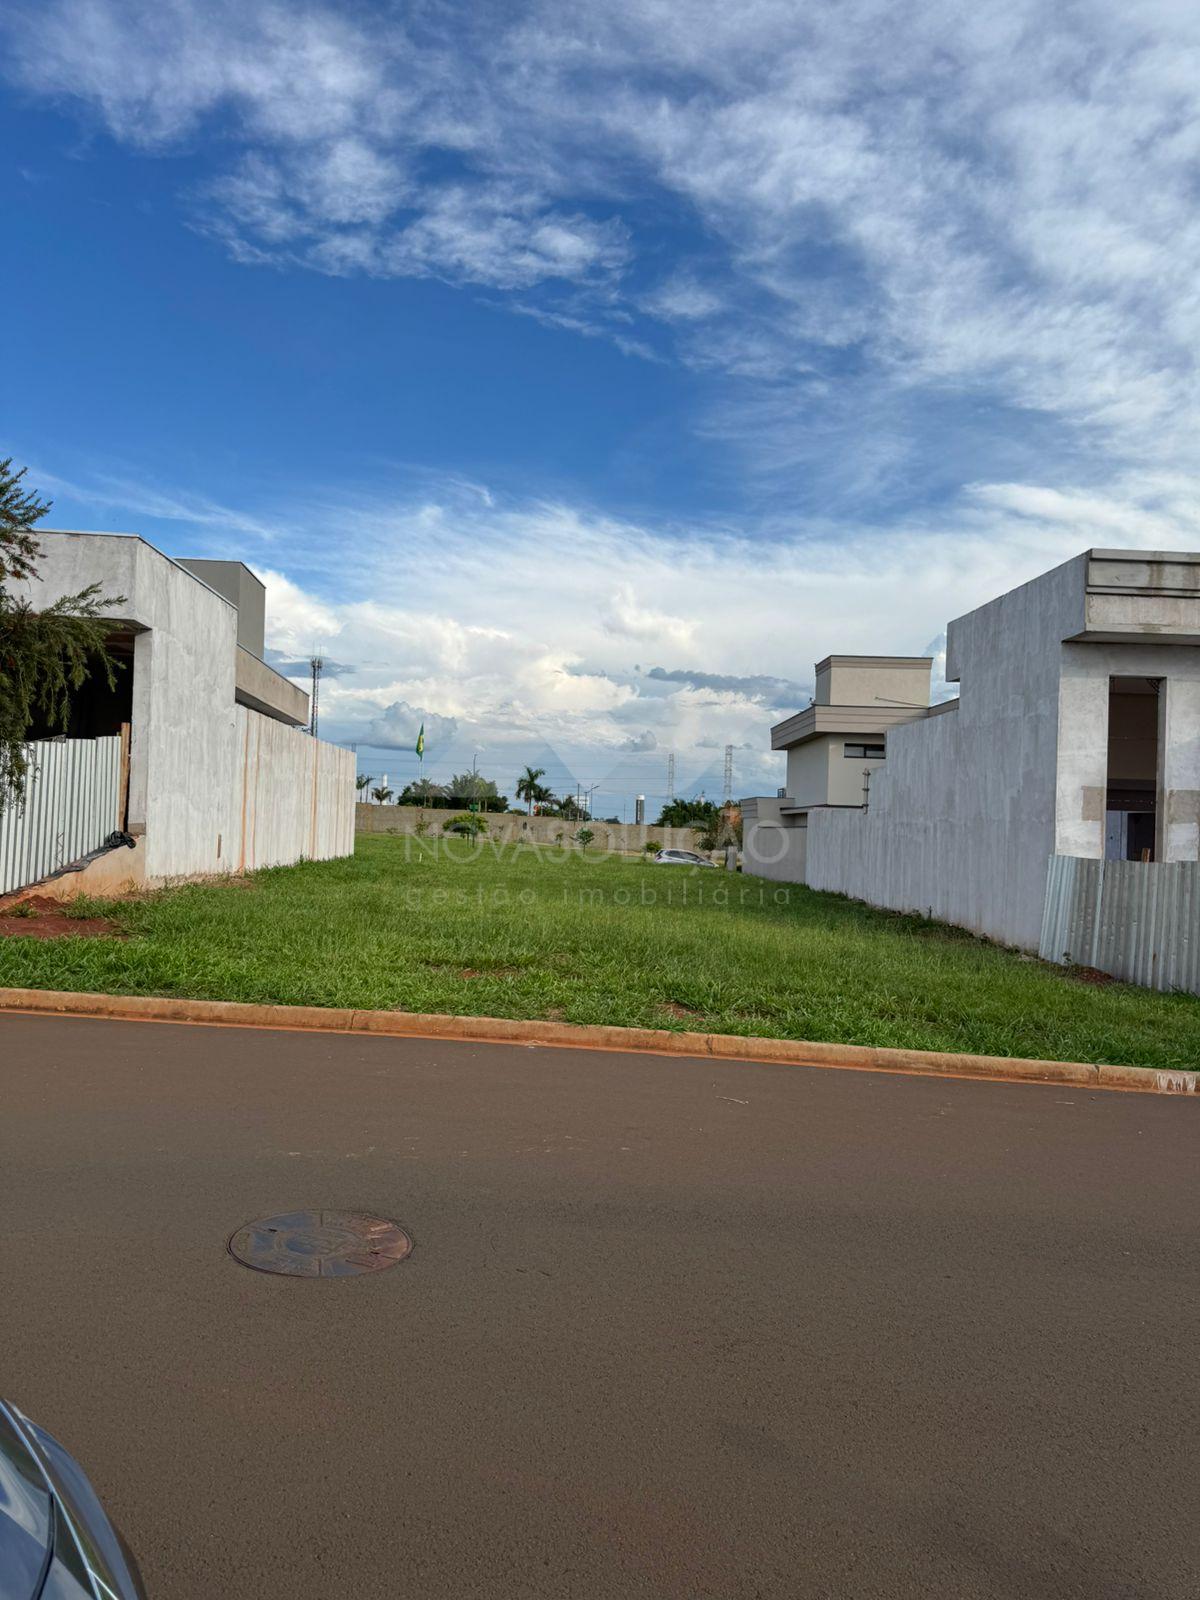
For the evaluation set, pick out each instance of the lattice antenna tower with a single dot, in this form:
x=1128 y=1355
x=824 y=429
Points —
x=728 y=773
x=317 y=664
x=670 y=777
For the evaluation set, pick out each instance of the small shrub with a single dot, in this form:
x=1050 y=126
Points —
x=584 y=838
x=651 y=847
x=466 y=823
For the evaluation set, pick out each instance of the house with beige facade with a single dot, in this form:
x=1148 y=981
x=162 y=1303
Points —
x=833 y=748
x=1053 y=805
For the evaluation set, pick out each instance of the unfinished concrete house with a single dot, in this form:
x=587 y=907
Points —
x=1054 y=805
x=198 y=756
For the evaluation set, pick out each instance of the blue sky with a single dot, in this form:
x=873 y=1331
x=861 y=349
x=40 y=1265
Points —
x=578 y=376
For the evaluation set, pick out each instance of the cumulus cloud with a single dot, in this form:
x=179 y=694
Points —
x=398 y=726
x=502 y=641
x=626 y=616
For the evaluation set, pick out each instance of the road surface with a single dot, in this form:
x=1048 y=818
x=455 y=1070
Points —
x=670 y=1329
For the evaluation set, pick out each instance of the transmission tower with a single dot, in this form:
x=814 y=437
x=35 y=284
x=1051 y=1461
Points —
x=728 y=773
x=318 y=666
x=670 y=777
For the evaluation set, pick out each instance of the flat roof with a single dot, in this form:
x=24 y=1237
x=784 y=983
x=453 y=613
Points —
x=1171 y=556
x=875 y=661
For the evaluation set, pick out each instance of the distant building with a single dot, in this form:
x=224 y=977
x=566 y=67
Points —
x=833 y=746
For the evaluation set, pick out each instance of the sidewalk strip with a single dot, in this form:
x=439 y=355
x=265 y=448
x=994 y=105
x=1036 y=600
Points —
x=574 y=1036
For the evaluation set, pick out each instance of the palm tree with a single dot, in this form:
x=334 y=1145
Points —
x=361 y=782
x=528 y=787
x=381 y=794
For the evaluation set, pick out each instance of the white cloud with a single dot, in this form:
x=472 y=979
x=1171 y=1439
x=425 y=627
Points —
x=991 y=201
x=296 y=622
x=399 y=726
x=628 y=618
x=498 y=638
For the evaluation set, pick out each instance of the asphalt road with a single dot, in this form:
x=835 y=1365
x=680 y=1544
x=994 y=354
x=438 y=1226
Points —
x=670 y=1328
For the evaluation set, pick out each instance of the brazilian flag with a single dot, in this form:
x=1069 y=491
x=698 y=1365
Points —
x=421 y=741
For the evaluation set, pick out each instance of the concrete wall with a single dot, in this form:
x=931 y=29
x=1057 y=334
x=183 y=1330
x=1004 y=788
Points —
x=516 y=827
x=294 y=796
x=1083 y=754
x=772 y=846
x=237 y=583
x=962 y=814
x=263 y=689
x=181 y=751
x=187 y=746
x=970 y=805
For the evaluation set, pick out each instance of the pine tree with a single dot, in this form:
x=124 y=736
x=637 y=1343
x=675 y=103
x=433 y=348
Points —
x=45 y=656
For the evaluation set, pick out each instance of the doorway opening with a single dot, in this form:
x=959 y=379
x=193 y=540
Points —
x=1131 y=806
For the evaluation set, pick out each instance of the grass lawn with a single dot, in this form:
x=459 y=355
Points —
x=421 y=926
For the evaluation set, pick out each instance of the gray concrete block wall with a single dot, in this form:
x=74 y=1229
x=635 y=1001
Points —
x=515 y=827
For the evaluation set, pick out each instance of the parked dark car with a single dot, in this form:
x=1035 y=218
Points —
x=56 y=1541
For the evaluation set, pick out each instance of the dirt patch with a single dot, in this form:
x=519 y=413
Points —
x=489 y=972
x=674 y=1008
x=1093 y=975
x=39 y=917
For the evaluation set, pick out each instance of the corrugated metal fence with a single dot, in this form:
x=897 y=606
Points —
x=1138 y=920
x=72 y=804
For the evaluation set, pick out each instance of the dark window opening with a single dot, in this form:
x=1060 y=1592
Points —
x=1131 y=805
x=864 y=752
x=96 y=711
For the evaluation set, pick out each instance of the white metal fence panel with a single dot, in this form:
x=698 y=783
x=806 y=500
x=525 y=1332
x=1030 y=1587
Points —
x=72 y=804
x=1138 y=920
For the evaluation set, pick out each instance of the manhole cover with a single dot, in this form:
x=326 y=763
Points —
x=320 y=1244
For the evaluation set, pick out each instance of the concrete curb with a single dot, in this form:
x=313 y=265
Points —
x=572 y=1036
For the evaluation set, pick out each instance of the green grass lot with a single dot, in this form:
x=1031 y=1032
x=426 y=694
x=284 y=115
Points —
x=523 y=932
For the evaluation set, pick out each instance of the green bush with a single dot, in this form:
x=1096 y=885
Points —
x=467 y=822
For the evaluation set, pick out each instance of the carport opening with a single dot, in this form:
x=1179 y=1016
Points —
x=1134 y=779
x=96 y=711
